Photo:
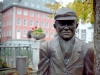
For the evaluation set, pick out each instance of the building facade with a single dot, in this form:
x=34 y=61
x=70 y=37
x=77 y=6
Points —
x=20 y=16
x=85 y=32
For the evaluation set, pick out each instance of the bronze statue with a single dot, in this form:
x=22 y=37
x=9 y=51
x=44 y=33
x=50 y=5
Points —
x=66 y=54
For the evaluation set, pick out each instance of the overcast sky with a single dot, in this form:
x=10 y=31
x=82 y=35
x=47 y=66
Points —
x=64 y=1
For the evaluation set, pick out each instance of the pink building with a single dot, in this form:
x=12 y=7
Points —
x=18 y=20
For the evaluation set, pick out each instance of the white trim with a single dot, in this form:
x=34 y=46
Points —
x=13 y=23
x=26 y=22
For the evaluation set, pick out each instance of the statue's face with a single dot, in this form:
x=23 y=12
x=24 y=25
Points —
x=65 y=28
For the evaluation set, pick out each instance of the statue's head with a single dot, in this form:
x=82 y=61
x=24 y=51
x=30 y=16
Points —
x=65 y=23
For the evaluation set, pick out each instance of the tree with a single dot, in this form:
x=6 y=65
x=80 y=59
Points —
x=96 y=4
x=53 y=7
x=84 y=9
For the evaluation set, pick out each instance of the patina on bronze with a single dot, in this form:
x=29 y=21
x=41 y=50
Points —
x=66 y=54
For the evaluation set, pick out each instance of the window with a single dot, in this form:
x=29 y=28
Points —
x=32 y=4
x=7 y=33
x=10 y=22
x=31 y=23
x=25 y=22
x=47 y=16
x=37 y=15
x=42 y=25
x=11 y=11
x=26 y=3
x=37 y=6
x=47 y=25
x=5 y=23
x=43 y=16
x=31 y=14
x=10 y=33
x=25 y=12
x=18 y=34
x=24 y=33
x=77 y=32
x=19 y=21
x=52 y=26
x=52 y=34
x=83 y=35
x=47 y=34
x=4 y=33
x=19 y=11
x=37 y=23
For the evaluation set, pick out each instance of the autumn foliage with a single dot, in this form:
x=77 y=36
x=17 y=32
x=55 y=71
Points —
x=83 y=9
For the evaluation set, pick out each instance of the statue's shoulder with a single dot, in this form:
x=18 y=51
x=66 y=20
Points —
x=85 y=47
x=49 y=44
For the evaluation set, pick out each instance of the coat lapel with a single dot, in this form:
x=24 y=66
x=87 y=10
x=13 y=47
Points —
x=75 y=54
x=58 y=51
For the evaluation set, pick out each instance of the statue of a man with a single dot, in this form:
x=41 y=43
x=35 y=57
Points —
x=66 y=54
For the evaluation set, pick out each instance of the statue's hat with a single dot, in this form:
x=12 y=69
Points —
x=65 y=14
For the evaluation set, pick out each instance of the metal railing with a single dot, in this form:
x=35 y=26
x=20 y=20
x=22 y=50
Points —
x=9 y=53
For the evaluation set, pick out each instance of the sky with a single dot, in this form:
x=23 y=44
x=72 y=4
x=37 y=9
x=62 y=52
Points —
x=64 y=1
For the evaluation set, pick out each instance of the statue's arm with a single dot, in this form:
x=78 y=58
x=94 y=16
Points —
x=43 y=65
x=89 y=62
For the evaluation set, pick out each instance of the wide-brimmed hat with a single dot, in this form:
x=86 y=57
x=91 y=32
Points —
x=65 y=14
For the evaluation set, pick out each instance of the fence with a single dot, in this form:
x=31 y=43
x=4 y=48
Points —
x=8 y=55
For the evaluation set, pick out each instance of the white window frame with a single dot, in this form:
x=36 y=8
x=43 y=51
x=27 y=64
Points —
x=18 y=36
x=10 y=21
x=10 y=11
x=47 y=34
x=83 y=34
x=24 y=33
x=18 y=21
x=37 y=23
x=31 y=23
x=26 y=3
x=32 y=4
x=43 y=15
x=25 y=23
x=52 y=34
x=37 y=14
x=25 y=12
x=47 y=25
x=31 y=13
x=9 y=32
x=43 y=25
x=52 y=27
x=47 y=16
x=19 y=11
x=6 y=33
x=38 y=6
